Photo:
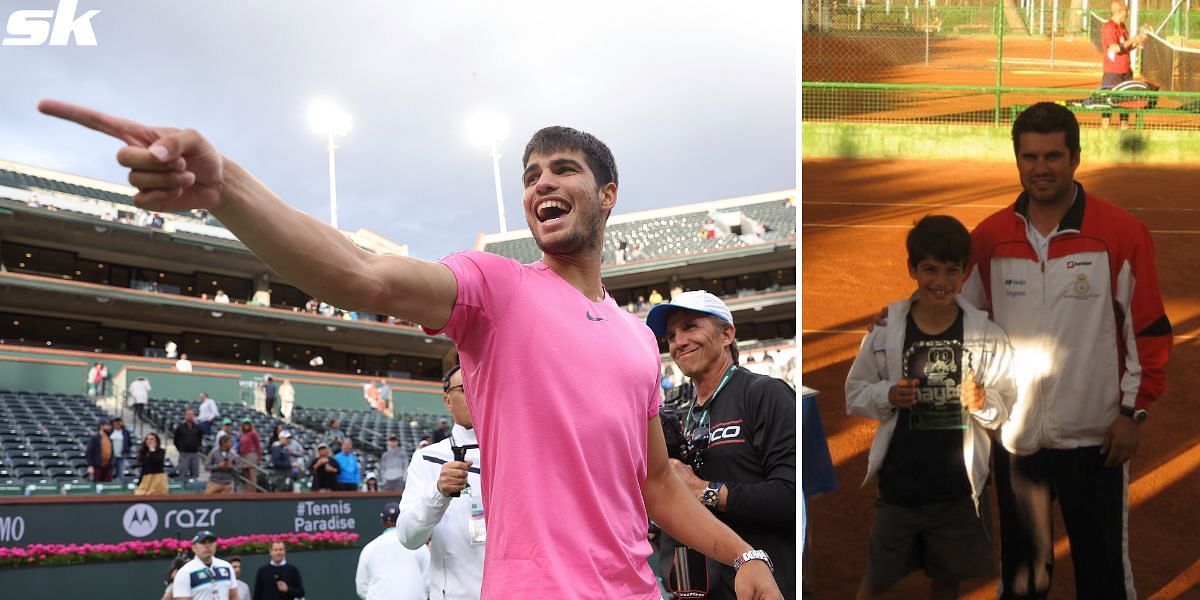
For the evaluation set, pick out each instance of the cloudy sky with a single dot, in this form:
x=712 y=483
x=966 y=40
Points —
x=697 y=99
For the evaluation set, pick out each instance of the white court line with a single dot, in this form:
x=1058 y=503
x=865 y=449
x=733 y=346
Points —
x=844 y=226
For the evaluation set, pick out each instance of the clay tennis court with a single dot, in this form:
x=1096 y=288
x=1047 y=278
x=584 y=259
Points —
x=855 y=214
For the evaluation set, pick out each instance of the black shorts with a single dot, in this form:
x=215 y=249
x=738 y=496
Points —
x=948 y=540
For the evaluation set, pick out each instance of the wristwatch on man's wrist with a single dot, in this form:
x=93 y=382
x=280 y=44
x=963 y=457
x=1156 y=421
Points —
x=750 y=555
x=711 y=496
x=1139 y=415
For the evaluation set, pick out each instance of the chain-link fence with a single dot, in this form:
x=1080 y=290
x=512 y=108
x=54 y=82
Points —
x=991 y=105
x=958 y=61
x=1037 y=43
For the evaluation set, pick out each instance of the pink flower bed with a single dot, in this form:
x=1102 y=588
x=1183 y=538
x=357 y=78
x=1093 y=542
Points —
x=67 y=554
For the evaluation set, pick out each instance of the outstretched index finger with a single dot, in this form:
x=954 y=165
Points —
x=130 y=132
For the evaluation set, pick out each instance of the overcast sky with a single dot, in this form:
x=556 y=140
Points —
x=696 y=99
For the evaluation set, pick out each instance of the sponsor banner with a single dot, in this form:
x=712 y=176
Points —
x=144 y=519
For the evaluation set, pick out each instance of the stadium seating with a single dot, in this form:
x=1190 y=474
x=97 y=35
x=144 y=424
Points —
x=43 y=438
x=674 y=235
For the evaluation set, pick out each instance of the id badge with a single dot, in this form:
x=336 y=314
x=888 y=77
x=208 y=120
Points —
x=475 y=523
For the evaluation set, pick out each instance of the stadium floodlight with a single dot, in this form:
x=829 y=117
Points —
x=327 y=119
x=489 y=128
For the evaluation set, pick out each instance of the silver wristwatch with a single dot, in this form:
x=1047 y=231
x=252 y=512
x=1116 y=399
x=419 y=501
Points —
x=750 y=555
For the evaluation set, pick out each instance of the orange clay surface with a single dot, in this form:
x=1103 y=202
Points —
x=854 y=216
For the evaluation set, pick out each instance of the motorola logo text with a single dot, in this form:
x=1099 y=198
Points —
x=36 y=27
x=140 y=520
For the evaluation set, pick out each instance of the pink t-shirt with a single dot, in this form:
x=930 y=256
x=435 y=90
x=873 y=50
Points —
x=561 y=390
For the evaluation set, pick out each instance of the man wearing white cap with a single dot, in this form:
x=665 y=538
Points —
x=205 y=577
x=740 y=436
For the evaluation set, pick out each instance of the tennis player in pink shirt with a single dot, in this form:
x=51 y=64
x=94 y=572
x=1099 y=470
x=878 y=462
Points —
x=563 y=383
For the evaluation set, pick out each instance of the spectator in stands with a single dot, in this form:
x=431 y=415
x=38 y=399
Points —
x=748 y=479
x=157 y=221
x=221 y=297
x=708 y=231
x=389 y=571
x=371 y=395
x=281 y=463
x=655 y=298
x=225 y=430
x=275 y=431
x=295 y=451
x=188 y=440
x=32 y=200
x=622 y=246
x=311 y=306
x=172 y=349
x=641 y=303
x=393 y=465
x=270 y=394
x=372 y=482
x=442 y=432
x=324 y=470
x=287 y=398
x=220 y=465
x=250 y=450
x=333 y=435
x=205 y=576
x=497 y=313
x=152 y=458
x=99 y=454
x=94 y=379
x=105 y=379
x=385 y=397
x=122 y=443
x=349 y=475
x=139 y=397
x=243 y=590
x=183 y=365
x=278 y=580
x=208 y=413
x=443 y=494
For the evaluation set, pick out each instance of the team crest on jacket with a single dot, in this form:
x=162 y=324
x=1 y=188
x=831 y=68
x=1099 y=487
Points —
x=1081 y=288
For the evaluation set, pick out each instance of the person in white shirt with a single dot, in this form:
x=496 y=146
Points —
x=208 y=413
x=243 y=589
x=440 y=493
x=172 y=349
x=183 y=365
x=139 y=397
x=389 y=571
x=205 y=577
x=221 y=297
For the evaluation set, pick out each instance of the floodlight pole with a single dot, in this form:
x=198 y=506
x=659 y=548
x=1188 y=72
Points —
x=333 y=220
x=499 y=193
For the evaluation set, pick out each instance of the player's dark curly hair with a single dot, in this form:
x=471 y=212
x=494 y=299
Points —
x=1046 y=117
x=557 y=138
x=939 y=237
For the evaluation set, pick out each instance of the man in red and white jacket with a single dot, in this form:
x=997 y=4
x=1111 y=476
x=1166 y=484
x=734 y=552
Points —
x=1071 y=279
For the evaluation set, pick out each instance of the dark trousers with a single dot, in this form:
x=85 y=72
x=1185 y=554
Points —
x=1093 y=500
x=271 y=405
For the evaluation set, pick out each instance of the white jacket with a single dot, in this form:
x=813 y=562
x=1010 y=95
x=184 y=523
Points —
x=456 y=565
x=389 y=571
x=878 y=367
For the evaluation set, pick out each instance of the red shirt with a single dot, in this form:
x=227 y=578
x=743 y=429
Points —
x=1110 y=34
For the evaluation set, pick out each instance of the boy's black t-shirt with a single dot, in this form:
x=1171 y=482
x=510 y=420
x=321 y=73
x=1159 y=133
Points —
x=925 y=466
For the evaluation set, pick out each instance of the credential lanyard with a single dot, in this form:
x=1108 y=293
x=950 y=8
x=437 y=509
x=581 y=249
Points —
x=720 y=386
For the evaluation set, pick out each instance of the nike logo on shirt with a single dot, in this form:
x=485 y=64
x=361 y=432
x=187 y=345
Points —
x=591 y=318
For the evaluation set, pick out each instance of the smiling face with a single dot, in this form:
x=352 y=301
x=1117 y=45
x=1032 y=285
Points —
x=938 y=281
x=698 y=342
x=563 y=208
x=1047 y=167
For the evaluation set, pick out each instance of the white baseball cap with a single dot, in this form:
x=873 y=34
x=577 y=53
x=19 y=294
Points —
x=698 y=301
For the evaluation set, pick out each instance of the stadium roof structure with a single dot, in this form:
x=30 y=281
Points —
x=88 y=199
